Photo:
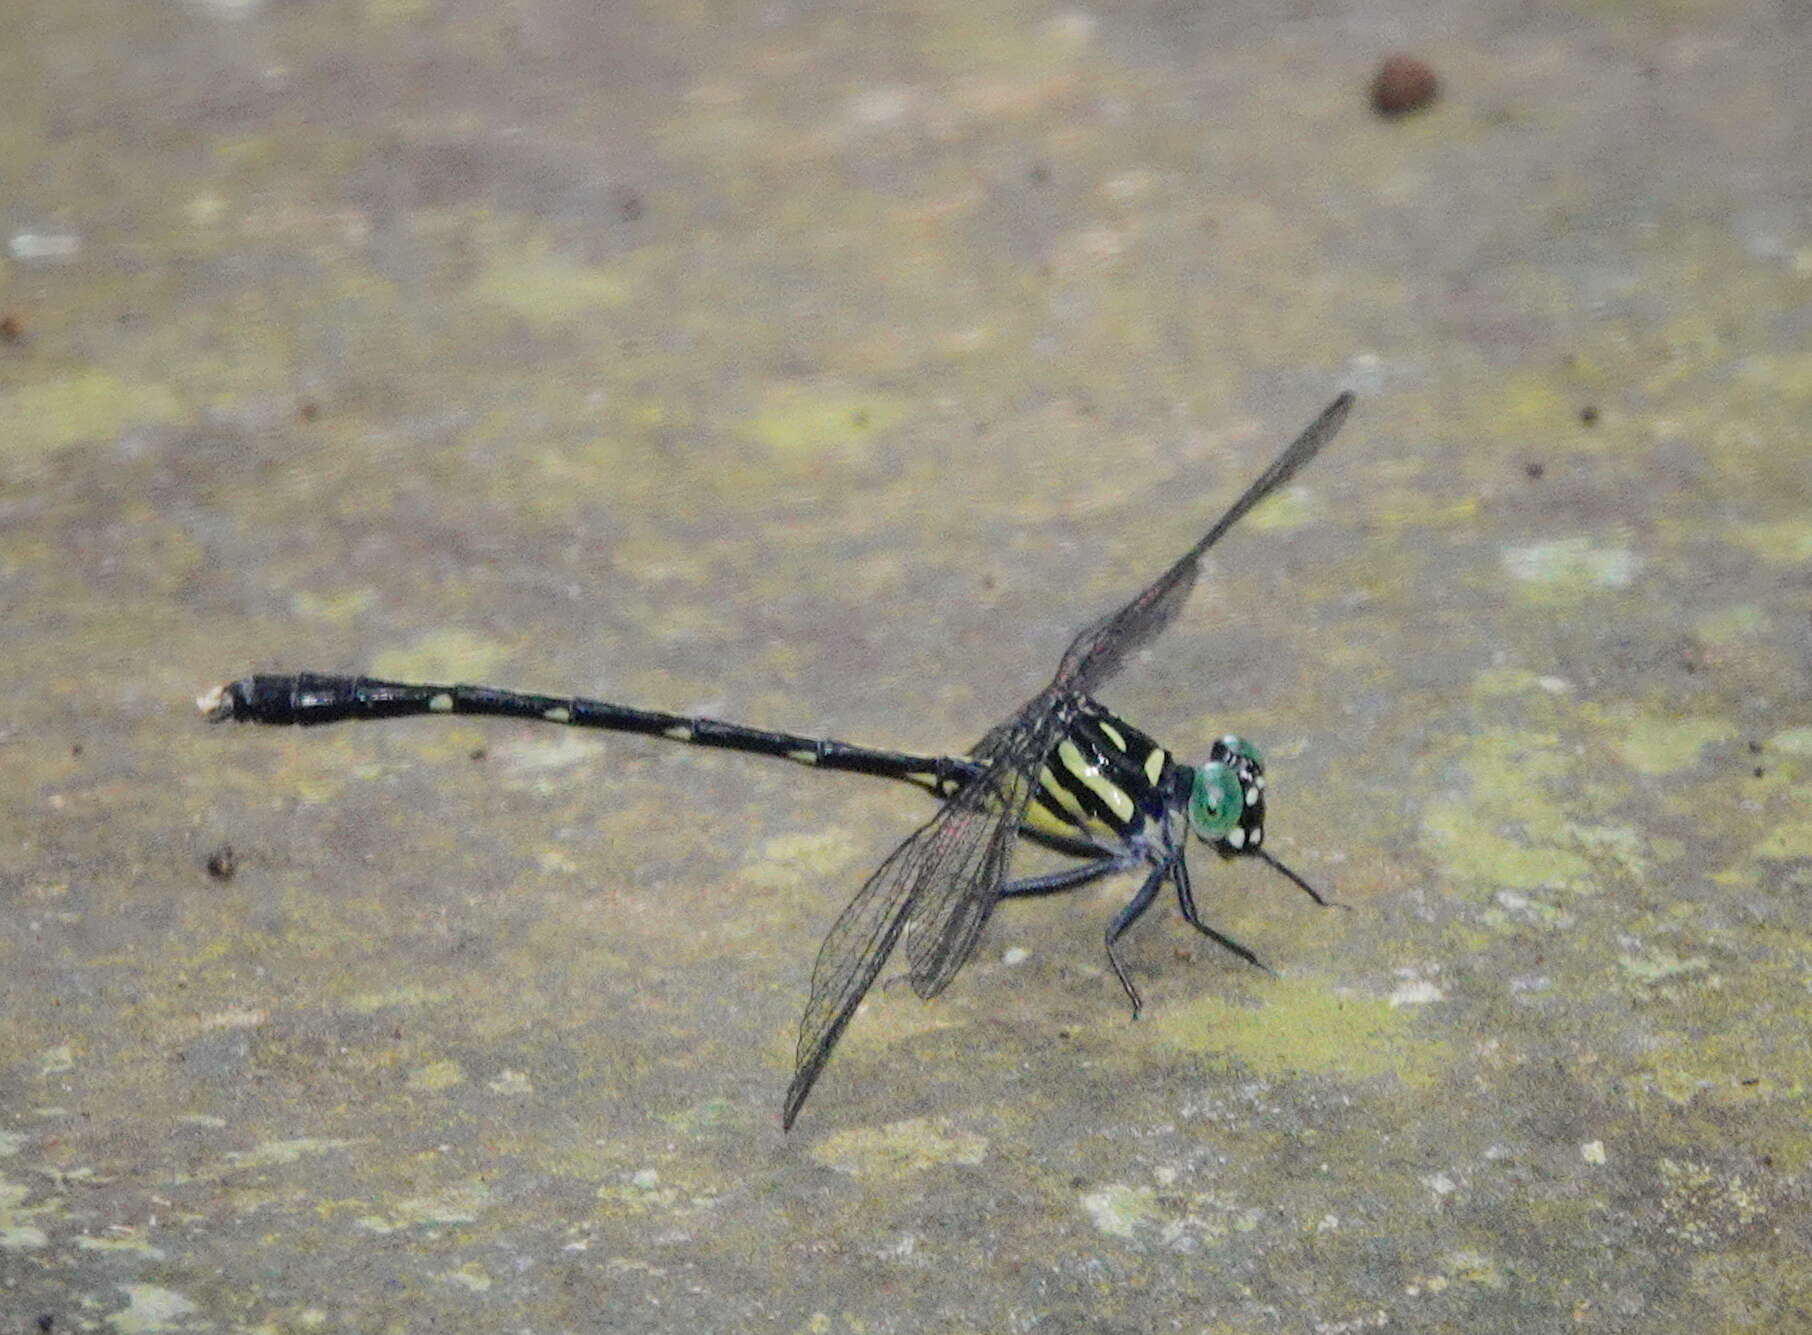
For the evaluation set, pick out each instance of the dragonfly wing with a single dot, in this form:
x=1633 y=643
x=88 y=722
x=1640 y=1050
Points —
x=947 y=859
x=947 y=920
x=938 y=889
x=1102 y=649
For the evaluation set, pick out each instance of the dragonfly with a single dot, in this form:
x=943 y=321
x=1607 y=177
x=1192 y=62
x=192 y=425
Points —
x=1061 y=768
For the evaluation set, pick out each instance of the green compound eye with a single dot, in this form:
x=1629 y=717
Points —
x=1215 y=801
x=1240 y=747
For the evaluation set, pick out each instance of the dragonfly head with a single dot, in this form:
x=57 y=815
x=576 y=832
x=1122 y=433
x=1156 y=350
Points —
x=1227 y=799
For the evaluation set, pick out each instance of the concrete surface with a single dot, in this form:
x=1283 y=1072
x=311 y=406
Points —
x=826 y=367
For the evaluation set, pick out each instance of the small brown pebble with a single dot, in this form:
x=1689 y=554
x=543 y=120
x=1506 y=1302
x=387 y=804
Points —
x=12 y=328
x=1403 y=84
x=1588 y=415
x=307 y=411
x=222 y=863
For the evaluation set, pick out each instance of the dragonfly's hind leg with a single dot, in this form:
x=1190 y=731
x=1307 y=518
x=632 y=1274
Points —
x=1067 y=879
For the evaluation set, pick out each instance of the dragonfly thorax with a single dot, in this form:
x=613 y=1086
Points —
x=1227 y=797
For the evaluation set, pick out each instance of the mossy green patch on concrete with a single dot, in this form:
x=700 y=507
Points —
x=1661 y=744
x=82 y=406
x=1503 y=827
x=1304 y=1028
x=899 y=1149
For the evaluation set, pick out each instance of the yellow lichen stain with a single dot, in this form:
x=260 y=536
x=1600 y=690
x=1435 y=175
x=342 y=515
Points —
x=390 y=12
x=1752 y=1289
x=1661 y=744
x=85 y=405
x=1120 y=1210
x=1792 y=741
x=1473 y=1267
x=1305 y=1028
x=645 y=1192
x=1657 y=966
x=446 y=656
x=1702 y=1206
x=337 y=608
x=1411 y=509
x=131 y=1242
x=151 y=1310
x=1785 y=541
x=1292 y=508
x=471 y=1276
x=899 y=1148
x=437 y=1075
x=790 y=861
x=17 y=1233
x=544 y=289
x=1503 y=828
x=460 y=1204
x=804 y=426
x=273 y=1152
x=1731 y=626
x=1790 y=839
x=404 y=994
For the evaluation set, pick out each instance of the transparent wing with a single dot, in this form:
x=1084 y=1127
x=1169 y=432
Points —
x=947 y=920
x=943 y=881
x=1102 y=649
x=938 y=889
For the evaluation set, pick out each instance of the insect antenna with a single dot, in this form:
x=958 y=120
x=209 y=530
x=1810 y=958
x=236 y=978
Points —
x=1296 y=880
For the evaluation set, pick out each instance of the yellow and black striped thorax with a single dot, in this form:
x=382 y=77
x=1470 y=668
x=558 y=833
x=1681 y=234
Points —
x=1101 y=782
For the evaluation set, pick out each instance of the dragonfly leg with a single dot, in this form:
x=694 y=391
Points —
x=1067 y=879
x=1186 y=901
x=1125 y=918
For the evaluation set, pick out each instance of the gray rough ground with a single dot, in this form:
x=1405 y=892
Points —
x=826 y=367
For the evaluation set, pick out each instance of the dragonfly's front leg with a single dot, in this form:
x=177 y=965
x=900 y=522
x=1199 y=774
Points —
x=1186 y=901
